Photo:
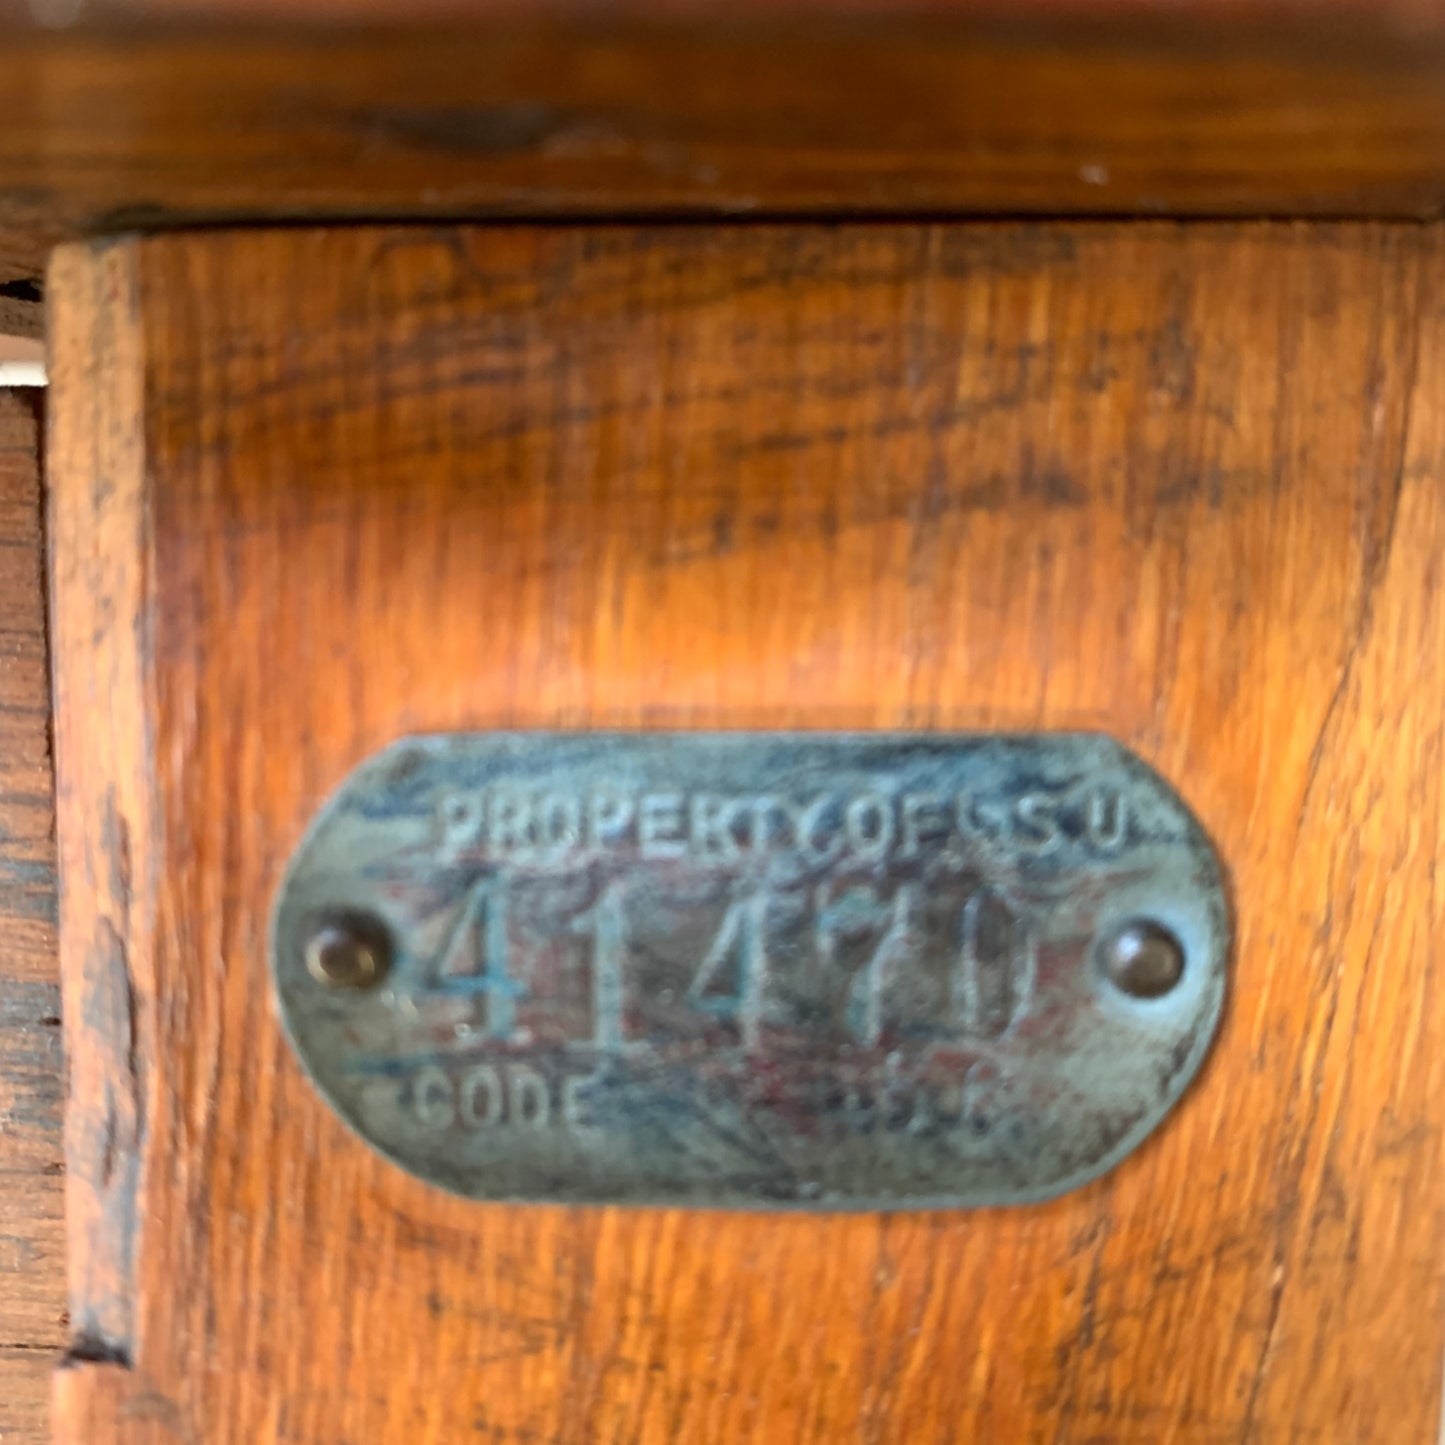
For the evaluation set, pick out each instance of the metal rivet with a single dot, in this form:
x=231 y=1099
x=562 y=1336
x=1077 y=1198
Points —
x=1142 y=959
x=352 y=952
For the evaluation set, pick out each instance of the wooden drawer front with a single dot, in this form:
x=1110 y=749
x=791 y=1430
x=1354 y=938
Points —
x=314 y=490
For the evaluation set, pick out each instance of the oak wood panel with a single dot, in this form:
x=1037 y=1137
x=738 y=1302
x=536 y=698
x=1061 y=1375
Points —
x=32 y=1262
x=25 y=1387
x=1407 y=15
x=602 y=115
x=316 y=489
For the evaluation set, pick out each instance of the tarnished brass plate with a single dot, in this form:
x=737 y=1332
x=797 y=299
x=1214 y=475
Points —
x=753 y=970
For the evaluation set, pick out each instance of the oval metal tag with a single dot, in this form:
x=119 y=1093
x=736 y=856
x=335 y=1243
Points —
x=833 y=971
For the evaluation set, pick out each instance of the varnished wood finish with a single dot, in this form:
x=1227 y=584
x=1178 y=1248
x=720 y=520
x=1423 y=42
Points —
x=313 y=490
x=1404 y=14
x=605 y=116
x=32 y=1263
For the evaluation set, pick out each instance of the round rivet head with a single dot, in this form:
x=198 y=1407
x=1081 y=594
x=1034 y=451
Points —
x=350 y=952
x=1142 y=959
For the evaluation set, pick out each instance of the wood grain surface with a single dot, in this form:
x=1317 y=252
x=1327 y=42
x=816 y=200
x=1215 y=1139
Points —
x=21 y=312
x=1407 y=15
x=605 y=116
x=32 y=1261
x=313 y=490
